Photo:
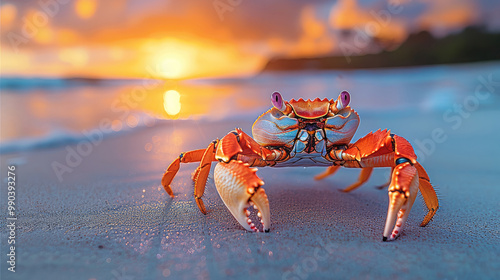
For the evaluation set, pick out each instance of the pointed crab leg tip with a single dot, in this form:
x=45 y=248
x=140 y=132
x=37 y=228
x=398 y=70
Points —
x=201 y=205
x=384 y=239
x=168 y=189
x=267 y=230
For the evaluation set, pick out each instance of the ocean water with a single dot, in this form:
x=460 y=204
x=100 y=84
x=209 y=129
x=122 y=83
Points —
x=46 y=113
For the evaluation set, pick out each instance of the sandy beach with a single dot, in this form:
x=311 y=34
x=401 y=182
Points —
x=109 y=218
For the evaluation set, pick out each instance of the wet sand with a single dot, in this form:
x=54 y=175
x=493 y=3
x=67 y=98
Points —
x=110 y=218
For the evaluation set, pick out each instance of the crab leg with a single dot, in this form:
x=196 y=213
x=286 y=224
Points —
x=328 y=172
x=428 y=193
x=402 y=193
x=364 y=175
x=168 y=176
x=205 y=156
x=201 y=175
x=240 y=187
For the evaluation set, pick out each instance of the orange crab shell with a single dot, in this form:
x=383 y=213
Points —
x=308 y=109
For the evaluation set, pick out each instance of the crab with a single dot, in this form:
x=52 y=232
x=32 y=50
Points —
x=306 y=133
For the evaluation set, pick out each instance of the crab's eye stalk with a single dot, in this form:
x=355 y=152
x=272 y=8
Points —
x=278 y=102
x=343 y=100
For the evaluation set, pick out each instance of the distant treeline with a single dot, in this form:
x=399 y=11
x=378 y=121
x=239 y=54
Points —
x=471 y=45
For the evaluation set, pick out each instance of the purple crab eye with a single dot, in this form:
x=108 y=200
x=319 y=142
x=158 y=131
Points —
x=343 y=100
x=277 y=101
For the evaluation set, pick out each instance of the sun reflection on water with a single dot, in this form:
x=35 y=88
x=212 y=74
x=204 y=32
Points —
x=171 y=102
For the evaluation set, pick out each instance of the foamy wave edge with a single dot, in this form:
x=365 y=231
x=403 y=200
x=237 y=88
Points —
x=59 y=138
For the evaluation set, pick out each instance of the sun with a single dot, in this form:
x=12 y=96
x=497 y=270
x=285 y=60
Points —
x=171 y=67
x=172 y=58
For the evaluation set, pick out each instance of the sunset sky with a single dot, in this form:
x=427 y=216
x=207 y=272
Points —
x=206 y=38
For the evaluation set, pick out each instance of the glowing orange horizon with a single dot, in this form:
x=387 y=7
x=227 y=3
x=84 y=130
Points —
x=169 y=58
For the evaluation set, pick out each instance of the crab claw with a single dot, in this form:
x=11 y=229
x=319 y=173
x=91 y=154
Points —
x=240 y=188
x=402 y=192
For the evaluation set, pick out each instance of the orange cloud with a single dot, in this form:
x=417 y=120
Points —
x=447 y=14
x=8 y=13
x=67 y=36
x=85 y=8
x=347 y=15
x=314 y=39
x=310 y=25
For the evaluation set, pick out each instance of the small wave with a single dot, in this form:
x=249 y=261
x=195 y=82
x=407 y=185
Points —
x=58 y=138
x=52 y=140
x=26 y=84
